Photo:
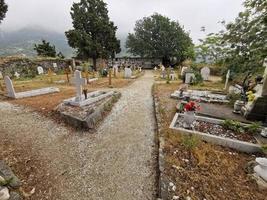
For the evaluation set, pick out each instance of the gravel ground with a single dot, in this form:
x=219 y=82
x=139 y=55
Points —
x=117 y=163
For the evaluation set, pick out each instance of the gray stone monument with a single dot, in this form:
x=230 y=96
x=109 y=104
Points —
x=189 y=77
x=10 y=88
x=55 y=65
x=79 y=82
x=205 y=73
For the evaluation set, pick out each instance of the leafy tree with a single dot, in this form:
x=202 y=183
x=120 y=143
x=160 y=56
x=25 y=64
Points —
x=159 y=37
x=211 y=49
x=94 y=35
x=45 y=49
x=3 y=9
x=247 y=37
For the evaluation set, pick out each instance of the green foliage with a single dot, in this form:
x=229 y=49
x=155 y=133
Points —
x=264 y=149
x=233 y=125
x=241 y=47
x=190 y=142
x=233 y=98
x=94 y=35
x=6 y=182
x=45 y=49
x=3 y=10
x=254 y=127
x=159 y=37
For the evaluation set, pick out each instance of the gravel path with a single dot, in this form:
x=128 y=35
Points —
x=117 y=163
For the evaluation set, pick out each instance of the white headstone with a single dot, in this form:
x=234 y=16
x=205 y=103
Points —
x=205 y=73
x=79 y=82
x=227 y=79
x=140 y=69
x=1 y=75
x=155 y=68
x=128 y=73
x=55 y=65
x=17 y=75
x=40 y=70
x=9 y=87
x=189 y=77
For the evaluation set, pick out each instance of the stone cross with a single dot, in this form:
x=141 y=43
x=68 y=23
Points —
x=9 y=87
x=227 y=79
x=264 y=86
x=79 y=82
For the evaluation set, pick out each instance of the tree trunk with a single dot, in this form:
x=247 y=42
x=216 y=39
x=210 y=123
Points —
x=94 y=63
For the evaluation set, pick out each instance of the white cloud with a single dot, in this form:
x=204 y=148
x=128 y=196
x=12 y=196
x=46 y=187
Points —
x=54 y=14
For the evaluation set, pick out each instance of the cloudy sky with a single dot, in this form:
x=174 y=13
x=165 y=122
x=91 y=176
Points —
x=192 y=14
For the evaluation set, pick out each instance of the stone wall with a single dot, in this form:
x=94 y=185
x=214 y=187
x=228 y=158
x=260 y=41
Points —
x=28 y=67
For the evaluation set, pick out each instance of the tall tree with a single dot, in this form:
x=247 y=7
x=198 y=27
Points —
x=3 y=9
x=94 y=35
x=45 y=49
x=159 y=37
x=247 y=37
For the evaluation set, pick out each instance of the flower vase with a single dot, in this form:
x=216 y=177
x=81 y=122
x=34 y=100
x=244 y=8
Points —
x=189 y=119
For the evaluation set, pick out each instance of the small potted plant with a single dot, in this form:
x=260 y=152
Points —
x=189 y=113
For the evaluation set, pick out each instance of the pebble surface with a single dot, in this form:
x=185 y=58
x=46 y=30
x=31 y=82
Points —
x=118 y=162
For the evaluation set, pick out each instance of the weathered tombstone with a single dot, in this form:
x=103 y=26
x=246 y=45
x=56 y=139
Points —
x=17 y=75
x=73 y=64
x=40 y=70
x=205 y=73
x=172 y=75
x=79 y=82
x=140 y=69
x=115 y=69
x=128 y=73
x=55 y=65
x=9 y=87
x=261 y=168
x=163 y=74
x=189 y=77
x=155 y=69
x=227 y=79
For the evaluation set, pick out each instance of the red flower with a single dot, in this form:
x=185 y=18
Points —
x=191 y=106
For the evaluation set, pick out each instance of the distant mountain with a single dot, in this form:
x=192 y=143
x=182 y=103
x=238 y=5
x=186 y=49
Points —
x=22 y=41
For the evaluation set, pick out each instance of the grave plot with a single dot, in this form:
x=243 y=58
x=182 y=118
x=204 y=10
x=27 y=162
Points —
x=203 y=96
x=85 y=110
x=193 y=168
x=220 y=132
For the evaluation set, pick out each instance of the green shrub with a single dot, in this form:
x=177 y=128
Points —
x=254 y=127
x=233 y=125
x=190 y=142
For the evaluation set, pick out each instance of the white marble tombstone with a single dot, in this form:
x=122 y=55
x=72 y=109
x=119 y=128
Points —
x=9 y=87
x=40 y=70
x=227 y=79
x=79 y=82
x=205 y=73
x=1 y=75
x=128 y=73
x=189 y=77
x=55 y=65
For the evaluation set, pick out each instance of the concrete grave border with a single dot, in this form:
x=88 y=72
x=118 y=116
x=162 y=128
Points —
x=223 y=141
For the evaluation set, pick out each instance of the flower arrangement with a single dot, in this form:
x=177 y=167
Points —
x=250 y=96
x=191 y=106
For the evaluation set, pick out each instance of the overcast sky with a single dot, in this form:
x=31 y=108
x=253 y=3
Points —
x=192 y=14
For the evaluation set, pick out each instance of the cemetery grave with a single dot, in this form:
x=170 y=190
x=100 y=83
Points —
x=195 y=168
x=85 y=110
